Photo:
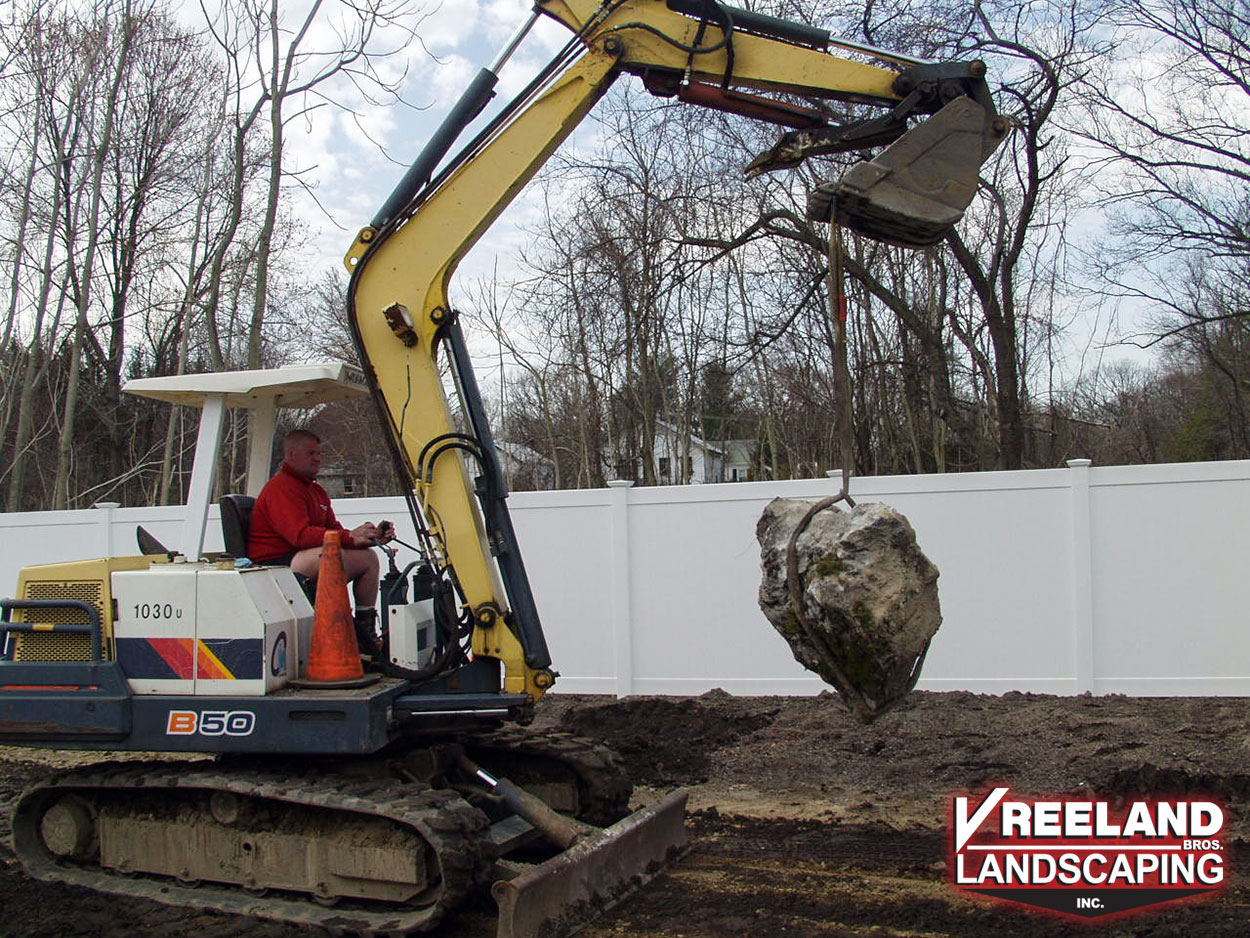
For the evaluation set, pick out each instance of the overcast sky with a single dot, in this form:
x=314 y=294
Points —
x=353 y=158
x=342 y=151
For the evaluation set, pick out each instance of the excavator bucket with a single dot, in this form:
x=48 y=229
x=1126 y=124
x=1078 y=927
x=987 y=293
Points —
x=913 y=192
x=596 y=872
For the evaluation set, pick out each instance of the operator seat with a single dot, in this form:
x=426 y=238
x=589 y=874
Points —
x=236 y=518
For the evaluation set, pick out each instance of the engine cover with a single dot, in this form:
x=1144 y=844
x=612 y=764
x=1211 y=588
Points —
x=205 y=629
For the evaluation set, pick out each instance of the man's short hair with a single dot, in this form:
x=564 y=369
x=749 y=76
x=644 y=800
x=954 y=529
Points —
x=299 y=435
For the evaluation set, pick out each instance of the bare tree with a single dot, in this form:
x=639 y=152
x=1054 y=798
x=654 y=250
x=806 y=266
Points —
x=958 y=328
x=1169 y=112
x=52 y=92
x=624 y=327
x=277 y=75
x=1168 y=115
x=81 y=265
x=114 y=226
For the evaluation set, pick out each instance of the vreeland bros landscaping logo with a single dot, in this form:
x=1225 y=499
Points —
x=1085 y=858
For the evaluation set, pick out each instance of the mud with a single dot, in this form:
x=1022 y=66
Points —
x=808 y=823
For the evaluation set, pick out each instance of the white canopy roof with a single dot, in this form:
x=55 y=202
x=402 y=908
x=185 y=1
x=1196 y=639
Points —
x=289 y=386
x=262 y=393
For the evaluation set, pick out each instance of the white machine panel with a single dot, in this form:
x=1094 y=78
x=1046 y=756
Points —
x=411 y=631
x=203 y=629
x=236 y=641
x=301 y=611
x=154 y=631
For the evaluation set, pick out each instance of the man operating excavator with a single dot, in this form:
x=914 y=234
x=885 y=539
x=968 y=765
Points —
x=289 y=523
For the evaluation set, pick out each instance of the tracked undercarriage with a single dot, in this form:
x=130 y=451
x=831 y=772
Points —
x=391 y=844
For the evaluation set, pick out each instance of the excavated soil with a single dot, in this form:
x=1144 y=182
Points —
x=807 y=823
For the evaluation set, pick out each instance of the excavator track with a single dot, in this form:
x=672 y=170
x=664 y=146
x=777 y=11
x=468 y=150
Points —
x=435 y=822
x=603 y=787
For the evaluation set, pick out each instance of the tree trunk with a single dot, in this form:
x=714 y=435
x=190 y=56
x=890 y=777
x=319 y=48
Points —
x=65 y=452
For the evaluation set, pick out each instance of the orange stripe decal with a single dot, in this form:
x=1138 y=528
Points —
x=208 y=665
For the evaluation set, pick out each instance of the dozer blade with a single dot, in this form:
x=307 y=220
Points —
x=595 y=873
x=913 y=192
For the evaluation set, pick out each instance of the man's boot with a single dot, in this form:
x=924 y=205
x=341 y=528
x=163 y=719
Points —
x=366 y=622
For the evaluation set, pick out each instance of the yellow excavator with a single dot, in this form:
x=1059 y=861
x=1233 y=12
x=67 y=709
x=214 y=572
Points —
x=385 y=807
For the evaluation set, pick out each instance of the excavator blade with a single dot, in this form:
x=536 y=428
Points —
x=913 y=192
x=557 y=896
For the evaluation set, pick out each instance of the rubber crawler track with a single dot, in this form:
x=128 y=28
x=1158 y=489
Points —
x=454 y=829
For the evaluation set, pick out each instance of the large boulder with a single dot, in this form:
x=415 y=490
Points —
x=852 y=595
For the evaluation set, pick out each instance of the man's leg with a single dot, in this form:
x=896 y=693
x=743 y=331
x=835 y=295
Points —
x=361 y=568
x=307 y=563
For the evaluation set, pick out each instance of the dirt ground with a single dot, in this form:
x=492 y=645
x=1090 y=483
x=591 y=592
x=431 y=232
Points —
x=806 y=823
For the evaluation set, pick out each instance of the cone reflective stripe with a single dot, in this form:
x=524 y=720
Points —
x=334 y=656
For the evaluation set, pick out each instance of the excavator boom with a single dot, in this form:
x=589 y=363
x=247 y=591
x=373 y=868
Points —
x=698 y=51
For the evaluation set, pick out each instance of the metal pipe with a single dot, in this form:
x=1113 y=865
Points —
x=562 y=831
x=494 y=504
x=90 y=627
x=879 y=53
x=800 y=34
x=514 y=42
x=475 y=97
x=494 y=711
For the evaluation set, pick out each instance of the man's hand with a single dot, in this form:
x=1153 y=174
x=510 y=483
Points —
x=383 y=532
x=367 y=532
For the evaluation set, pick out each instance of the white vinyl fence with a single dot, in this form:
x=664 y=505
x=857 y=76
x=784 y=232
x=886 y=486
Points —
x=1128 y=580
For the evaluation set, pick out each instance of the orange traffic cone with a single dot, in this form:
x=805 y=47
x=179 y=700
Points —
x=334 y=656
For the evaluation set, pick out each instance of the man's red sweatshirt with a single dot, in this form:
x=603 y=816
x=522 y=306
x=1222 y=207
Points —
x=291 y=514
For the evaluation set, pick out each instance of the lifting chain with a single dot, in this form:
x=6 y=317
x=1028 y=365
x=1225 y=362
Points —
x=865 y=709
x=845 y=415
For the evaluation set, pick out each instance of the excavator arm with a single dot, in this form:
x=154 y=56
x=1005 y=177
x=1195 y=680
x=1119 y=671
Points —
x=700 y=52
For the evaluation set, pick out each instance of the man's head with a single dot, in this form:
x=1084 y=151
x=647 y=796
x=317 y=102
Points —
x=302 y=452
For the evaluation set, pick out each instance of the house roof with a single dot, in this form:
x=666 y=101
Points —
x=693 y=437
x=739 y=450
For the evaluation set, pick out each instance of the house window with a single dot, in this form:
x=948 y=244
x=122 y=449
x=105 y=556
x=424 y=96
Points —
x=689 y=466
x=665 y=467
x=349 y=485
